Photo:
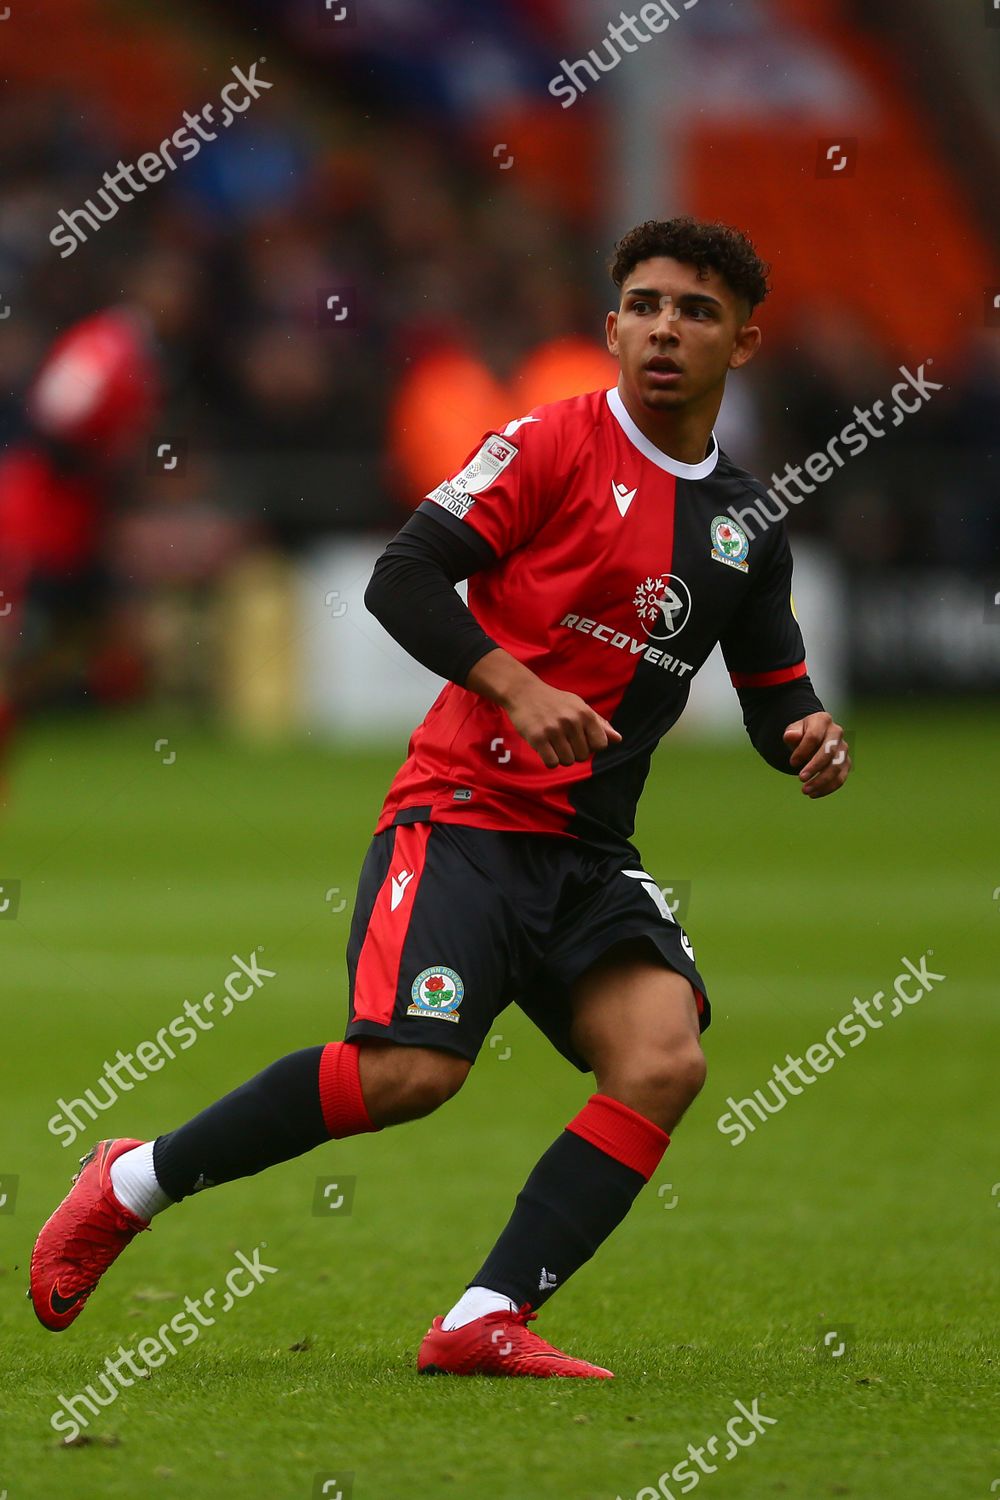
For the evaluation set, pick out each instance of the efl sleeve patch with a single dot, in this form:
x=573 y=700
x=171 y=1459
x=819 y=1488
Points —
x=503 y=501
x=480 y=472
x=452 y=499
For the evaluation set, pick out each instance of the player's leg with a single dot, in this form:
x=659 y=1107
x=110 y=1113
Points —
x=410 y=1044
x=636 y=1023
x=311 y=1096
x=413 y=900
x=619 y=995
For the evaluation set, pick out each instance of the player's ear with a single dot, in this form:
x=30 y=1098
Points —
x=745 y=345
x=611 y=331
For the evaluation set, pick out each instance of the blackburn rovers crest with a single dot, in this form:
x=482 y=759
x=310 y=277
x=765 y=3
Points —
x=729 y=543
x=436 y=993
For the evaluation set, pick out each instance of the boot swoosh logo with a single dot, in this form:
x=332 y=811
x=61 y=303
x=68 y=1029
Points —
x=61 y=1304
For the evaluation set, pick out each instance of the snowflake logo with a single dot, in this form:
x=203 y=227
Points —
x=648 y=597
x=663 y=605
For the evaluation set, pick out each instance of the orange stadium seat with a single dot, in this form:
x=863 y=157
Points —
x=895 y=241
x=150 y=76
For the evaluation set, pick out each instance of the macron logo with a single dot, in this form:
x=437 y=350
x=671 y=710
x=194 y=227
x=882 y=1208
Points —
x=512 y=427
x=399 y=884
x=623 y=496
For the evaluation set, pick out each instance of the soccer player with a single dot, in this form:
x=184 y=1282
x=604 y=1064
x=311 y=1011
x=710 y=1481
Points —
x=89 y=410
x=605 y=557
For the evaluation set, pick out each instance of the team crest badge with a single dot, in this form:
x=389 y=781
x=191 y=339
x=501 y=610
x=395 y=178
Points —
x=436 y=992
x=729 y=543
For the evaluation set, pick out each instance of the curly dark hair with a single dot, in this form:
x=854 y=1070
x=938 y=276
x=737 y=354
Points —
x=707 y=246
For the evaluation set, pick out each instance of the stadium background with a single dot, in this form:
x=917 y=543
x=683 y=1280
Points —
x=207 y=718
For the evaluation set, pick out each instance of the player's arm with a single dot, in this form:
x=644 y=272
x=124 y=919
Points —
x=412 y=594
x=787 y=724
x=560 y=727
x=497 y=502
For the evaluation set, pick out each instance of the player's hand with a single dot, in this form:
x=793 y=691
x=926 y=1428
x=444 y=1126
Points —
x=820 y=754
x=558 y=726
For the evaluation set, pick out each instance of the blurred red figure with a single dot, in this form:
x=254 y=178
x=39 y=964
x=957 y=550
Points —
x=91 y=401
x=89 y=411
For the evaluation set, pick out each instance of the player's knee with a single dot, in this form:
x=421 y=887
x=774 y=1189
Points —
x=435 y=1078
x=689 y=1070
x=405 y=1083
x=663 y=1081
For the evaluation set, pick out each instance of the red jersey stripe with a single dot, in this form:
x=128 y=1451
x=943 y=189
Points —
x=377 y=975
x=768 y=679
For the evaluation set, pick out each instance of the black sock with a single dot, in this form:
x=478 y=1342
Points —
x=574 y=1198
x=277 y=1115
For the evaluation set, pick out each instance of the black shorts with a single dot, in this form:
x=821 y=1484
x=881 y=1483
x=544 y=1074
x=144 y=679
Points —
x=453 y=924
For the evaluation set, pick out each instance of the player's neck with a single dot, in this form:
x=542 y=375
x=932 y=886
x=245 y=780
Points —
x=683 y=435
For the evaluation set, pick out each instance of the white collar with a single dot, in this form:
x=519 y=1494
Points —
x=656 y=455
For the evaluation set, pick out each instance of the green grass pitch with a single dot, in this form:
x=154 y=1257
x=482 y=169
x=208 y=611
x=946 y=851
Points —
x=869 y=1207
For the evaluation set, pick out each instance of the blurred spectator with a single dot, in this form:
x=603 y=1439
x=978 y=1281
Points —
x=376 y=174
x=87 y=419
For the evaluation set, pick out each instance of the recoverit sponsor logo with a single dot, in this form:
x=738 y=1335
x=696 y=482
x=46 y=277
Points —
x=620 y=639
x=909 y=987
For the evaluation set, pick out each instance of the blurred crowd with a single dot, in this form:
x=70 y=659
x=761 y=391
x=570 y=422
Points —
x=287 y=287
x=284 y=413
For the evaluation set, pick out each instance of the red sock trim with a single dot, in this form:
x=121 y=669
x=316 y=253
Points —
x=622 y=1133
x=340 y=1094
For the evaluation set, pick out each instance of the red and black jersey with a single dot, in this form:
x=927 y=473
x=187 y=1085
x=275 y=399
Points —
x=615 y=571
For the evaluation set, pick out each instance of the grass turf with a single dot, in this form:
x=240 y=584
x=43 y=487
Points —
x=867 y=1204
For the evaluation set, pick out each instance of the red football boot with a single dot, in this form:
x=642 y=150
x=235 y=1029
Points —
x=499 y=1343
x=75 y=1247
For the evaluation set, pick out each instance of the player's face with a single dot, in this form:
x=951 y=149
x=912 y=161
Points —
x=676 y=334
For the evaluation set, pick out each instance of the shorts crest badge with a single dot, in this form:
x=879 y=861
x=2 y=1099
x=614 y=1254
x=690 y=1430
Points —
x=436 y=992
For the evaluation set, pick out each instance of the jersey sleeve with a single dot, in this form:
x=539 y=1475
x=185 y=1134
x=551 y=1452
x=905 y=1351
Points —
x=763 y=644
x=506 y=488
x=412 y=594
